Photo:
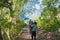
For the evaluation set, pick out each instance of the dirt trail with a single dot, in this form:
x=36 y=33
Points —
x=25 y=35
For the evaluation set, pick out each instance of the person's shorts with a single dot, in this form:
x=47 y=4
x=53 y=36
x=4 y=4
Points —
x=34 y=33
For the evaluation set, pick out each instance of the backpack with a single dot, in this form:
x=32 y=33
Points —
x=33 y=27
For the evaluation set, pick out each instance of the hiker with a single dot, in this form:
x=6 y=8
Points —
x=33 y=28
x=30 y=23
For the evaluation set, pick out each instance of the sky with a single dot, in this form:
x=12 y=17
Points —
x=31 y=10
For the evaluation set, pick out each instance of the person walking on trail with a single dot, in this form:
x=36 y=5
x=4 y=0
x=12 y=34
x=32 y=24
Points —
x=33 y=29
x=30 y=23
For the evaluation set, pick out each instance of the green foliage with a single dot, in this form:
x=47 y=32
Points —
x=49 y=11
x=50 y=2
x=48 y=17
x=9 y=18
x=0 y=0
x=5 y=36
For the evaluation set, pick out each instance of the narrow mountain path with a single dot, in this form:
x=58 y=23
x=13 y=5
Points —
x=25 y=35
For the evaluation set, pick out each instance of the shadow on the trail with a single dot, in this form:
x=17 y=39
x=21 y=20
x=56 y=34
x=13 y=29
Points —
x=22 y=39
x=19 y=38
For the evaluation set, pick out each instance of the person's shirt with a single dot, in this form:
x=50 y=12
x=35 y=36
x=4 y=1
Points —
x=34 y=27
